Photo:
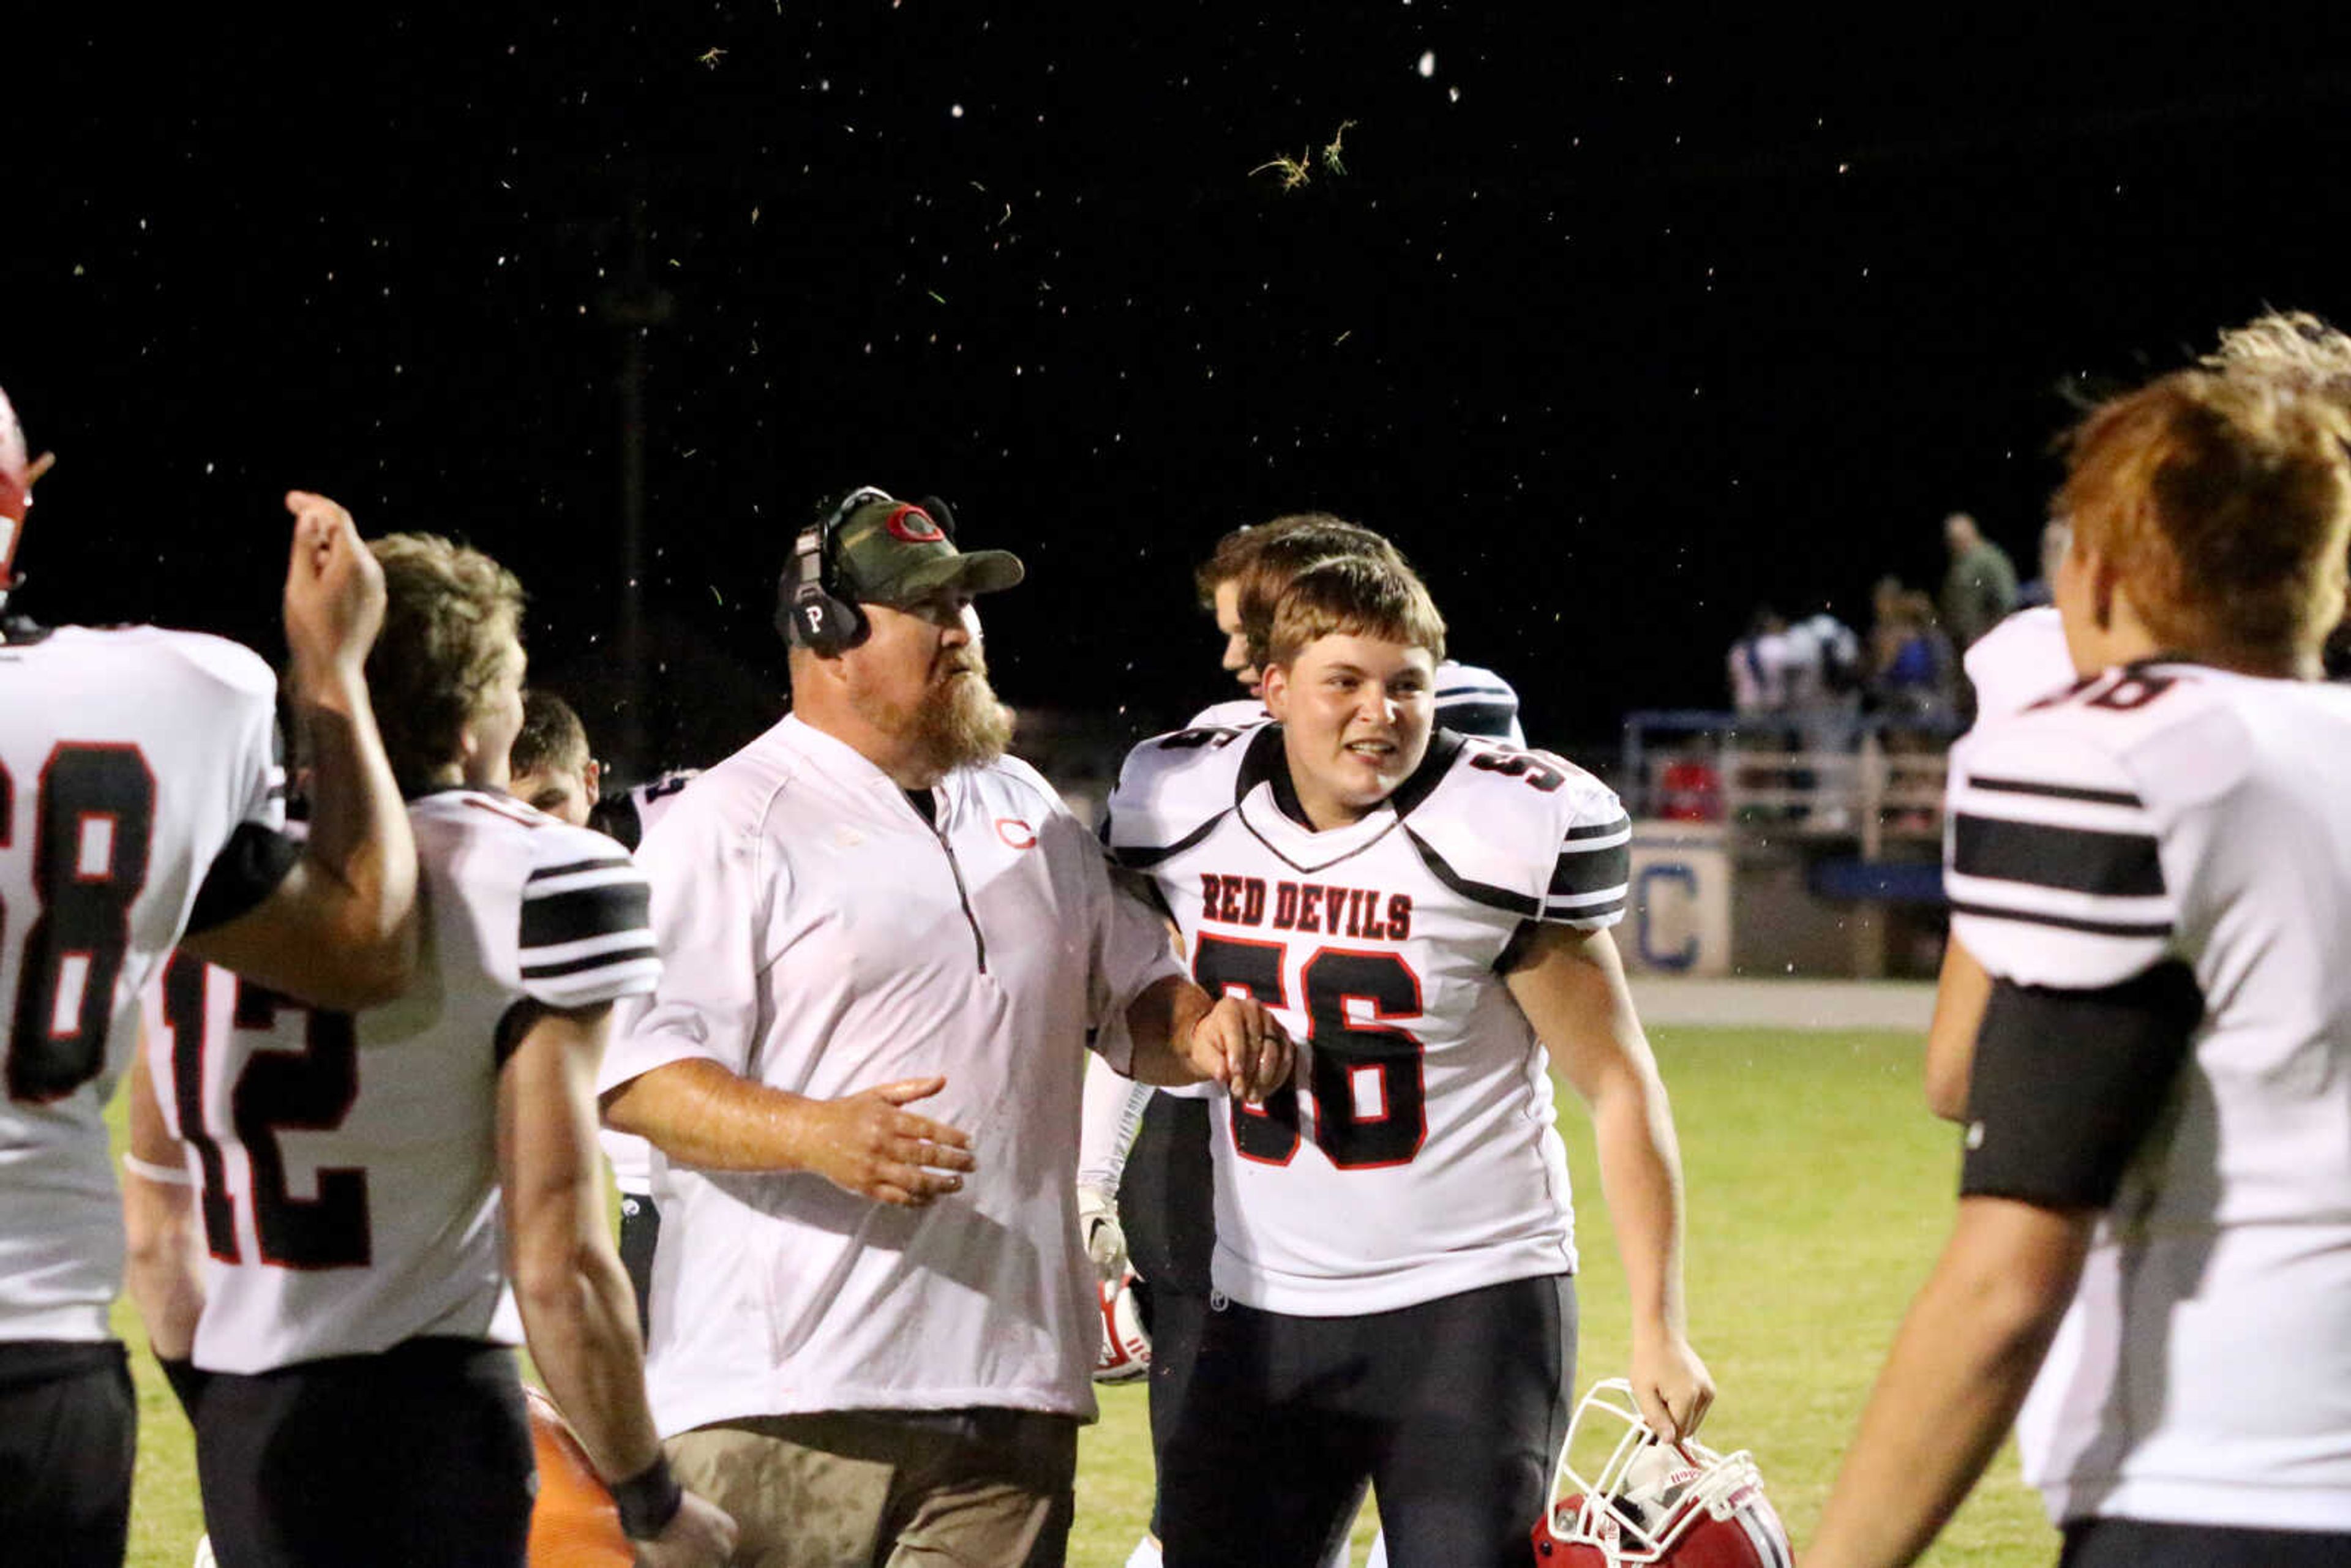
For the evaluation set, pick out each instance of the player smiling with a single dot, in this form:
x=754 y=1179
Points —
x=1400 y=1225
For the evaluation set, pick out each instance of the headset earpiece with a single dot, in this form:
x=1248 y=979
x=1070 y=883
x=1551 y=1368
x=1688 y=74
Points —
x=811 y=610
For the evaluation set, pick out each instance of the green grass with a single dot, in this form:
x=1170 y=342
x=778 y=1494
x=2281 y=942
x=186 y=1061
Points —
x=1820 y=1190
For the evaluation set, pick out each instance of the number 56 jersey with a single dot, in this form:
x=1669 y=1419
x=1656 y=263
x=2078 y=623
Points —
x=1422 y=1159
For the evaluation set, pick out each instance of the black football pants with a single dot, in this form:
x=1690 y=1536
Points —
x=68 y=1432
x=421 y=1455
x=1455 y=1410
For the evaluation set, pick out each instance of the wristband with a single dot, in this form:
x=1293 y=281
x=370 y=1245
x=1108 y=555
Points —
x=648 y=1500
x=187 y=1380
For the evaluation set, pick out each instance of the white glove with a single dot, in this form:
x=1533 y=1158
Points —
x=1098 y=1223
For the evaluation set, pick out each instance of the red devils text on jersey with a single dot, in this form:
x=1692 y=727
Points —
x=1422 y=1161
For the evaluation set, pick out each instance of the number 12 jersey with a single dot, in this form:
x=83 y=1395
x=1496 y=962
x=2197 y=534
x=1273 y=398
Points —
x=1422 y=1159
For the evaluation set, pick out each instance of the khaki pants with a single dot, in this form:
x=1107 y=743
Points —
x=981 y=1489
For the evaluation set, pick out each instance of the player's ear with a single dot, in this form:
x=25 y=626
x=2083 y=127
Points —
x=591 y=781
x=1273 y=689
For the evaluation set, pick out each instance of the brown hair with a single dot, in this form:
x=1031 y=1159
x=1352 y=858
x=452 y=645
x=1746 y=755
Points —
x=447 y=614
x=2224 y=502
x=1263 y=560
x=551 y=741
x=1357 y=596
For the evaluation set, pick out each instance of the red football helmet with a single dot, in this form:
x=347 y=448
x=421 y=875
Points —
x=574 y=1524
x=1679 y=1504
x=1126 y=1352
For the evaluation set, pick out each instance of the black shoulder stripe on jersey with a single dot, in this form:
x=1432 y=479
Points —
x=246 y=871
x=2064 y=922
x=1579 y=872
x=2077 y=859
x=1490 y=720
x=570 y=868
x=603 y=910
x=617 y=958
x=2055 y=792
x=1599 y=829
x=1478 y=688
x=1493 y=897
x=1262 y=761
x=1136 y=858
x=2066 y=1085
x=1445 y=747
x=1589 y=911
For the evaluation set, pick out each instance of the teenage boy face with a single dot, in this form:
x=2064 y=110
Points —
x=1356 y=713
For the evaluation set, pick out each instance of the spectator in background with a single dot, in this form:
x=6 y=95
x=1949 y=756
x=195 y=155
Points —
x=1914 y=681
x=1759 y=667
x=2054 y=537
x=1979 y=590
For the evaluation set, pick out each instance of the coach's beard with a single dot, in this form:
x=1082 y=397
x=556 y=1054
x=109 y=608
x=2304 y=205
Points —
x=960 y=723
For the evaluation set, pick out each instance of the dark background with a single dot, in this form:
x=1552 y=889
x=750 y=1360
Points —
x=1617 y=327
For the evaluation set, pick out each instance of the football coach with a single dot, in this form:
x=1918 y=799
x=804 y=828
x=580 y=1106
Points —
x=888 y=948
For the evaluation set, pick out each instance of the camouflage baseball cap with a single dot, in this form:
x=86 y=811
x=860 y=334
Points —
x=893 y=552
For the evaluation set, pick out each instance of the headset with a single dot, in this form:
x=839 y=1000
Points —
x=812 y=610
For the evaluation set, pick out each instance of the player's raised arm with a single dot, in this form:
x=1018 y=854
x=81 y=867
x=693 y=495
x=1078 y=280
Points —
x=1571 y=985
x=338 y=929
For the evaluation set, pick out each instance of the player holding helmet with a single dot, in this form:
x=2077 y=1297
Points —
x=1430 y=913
x=140 y=807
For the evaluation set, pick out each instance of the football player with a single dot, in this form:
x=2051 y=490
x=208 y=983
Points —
x=2024 y=658
x=554 y=771
x=1394 y=1245
x=2155 y=1211
x=138 y=807
x=367 y=1185
x=1143 y=1157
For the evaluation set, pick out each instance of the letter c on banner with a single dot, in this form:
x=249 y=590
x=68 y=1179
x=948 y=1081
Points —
x=1648 y=893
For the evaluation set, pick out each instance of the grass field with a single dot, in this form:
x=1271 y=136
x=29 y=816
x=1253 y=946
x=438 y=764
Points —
x=1819 y=1192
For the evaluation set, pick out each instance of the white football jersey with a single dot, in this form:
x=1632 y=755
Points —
x=2019 y=661
x=129 y=760
x=347 y=1165
x=1468 y=700
x=628 y=820
x=1423 y=1160
x=2161 y=813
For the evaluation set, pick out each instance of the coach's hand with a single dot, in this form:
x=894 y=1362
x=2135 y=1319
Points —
x=1671 y=1385
x=701 y=1534
x=1239 y=1044
x=866 y=1145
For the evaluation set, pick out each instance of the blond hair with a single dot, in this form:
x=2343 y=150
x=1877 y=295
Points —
x=1260 y=562
x=449 y=613
x=2292 y=344
x=2223 y=500
x=1356 y=596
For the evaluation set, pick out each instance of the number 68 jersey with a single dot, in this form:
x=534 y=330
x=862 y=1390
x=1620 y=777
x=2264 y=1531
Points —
x=1422 y=1159
x=137 y=769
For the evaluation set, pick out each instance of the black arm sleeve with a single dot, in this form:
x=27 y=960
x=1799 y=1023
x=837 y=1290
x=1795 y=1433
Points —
x=2066 y=1085
x=246 y=871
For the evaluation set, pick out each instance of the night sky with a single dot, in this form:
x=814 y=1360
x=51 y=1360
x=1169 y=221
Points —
x=1616 y=328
